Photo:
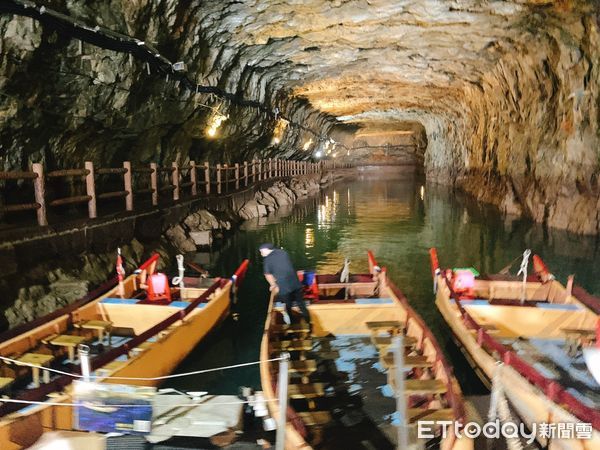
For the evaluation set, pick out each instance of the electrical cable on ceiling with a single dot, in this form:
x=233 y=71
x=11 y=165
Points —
x=153 y=60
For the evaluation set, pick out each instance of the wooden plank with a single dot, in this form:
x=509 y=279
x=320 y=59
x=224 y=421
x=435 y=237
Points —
x=425 y=387
x=385 y=324
x=315 y=418
x=128 y=185
x=40 y=193
x=303 y=366
x=306 y=391
x=299 y=345
x=175 y=180
x=419 y=361
x=415 y=414
x=207 y=177
x=385 y=341
x=291 y=329
x=193 y=178
x=154 y=183
x=218 y=178
x=90 y=188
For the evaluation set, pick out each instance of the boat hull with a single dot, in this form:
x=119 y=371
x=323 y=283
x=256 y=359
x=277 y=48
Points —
x=530 y=403
x=342 y=318
x=21 y=429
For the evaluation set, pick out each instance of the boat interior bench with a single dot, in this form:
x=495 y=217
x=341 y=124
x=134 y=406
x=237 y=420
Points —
x=296 y=345
x=306 y=391
x=315 y=418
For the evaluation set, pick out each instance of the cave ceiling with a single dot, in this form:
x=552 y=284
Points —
x=357 y=60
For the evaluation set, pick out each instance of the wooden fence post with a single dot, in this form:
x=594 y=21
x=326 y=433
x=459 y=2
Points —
x=237 y=176
x=128 y=185
x=259 y=162
x=270 y=167
x=218 y=178
x=245 y=173
x=154 y=183
x=207 y=177
x=175 y=175
x=193 y=178
x=90 y=188
x=254 y=170
x=226 y=169
x=39 y=188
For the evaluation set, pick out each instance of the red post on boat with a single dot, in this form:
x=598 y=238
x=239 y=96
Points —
x=372 y=262
x=240 y=273
x=120 y=273
x=435 y=267
x=541 y=270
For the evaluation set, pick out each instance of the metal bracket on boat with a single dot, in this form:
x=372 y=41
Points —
x=84 y=356
x=435 y=277
x=178 y=280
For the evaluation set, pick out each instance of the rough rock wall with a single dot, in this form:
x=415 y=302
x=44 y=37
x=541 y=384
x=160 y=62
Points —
x=507 y=91
x=526 y=136
x=63 y=101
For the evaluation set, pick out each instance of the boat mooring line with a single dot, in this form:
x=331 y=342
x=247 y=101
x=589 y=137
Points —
x=164 y=377
x=171 y=405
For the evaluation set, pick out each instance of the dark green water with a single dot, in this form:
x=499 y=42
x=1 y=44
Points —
x=399 y=219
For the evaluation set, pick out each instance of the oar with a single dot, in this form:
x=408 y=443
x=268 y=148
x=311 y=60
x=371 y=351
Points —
x=197 y=268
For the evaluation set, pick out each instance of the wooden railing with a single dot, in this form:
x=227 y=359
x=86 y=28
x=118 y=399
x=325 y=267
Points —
x=154 y=182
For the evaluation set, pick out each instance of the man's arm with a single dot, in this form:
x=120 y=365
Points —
x=271 y=280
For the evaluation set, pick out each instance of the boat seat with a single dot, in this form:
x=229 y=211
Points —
x=301 y=328
x=328 y=355
x=141 y=347
x=123 y=332
x=46 y=339
x=425 y=387
x=6 y=383
x=390 y=325
x=382 y=342
x=306 y=391
x=315 y=418
x=304 y=366
x=415 y=414
x=292 y=346
x=419 y=361
x=113 y=366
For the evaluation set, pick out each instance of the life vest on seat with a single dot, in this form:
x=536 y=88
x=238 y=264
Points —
x=158 y=287
x=463 y=282
x=309 y=281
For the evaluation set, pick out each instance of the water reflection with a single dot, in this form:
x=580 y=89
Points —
x=399 y=219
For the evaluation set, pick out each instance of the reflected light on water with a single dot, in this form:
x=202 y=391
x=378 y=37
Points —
x=309 y=238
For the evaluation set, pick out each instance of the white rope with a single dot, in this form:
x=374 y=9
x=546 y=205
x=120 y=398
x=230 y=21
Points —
x=164 y=377
x=172 y=405
x=499 y=408
x=523 y=270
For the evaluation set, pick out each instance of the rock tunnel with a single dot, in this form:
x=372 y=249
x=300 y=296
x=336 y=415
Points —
x=499 y=99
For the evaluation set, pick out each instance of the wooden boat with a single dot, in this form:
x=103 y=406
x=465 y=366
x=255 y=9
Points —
x=128 y=336
x=342 y=385
x=535 y=328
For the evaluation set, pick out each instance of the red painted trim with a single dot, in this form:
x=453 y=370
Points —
x=553 y=390
x=372 y=261
x=590 y=301
x=149 y=261
x=433 y=258
x=58 y=384
x=455 y=401
x=240 y=273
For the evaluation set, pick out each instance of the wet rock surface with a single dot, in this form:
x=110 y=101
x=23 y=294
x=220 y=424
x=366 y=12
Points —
x=497 y=98
x=199 y=228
